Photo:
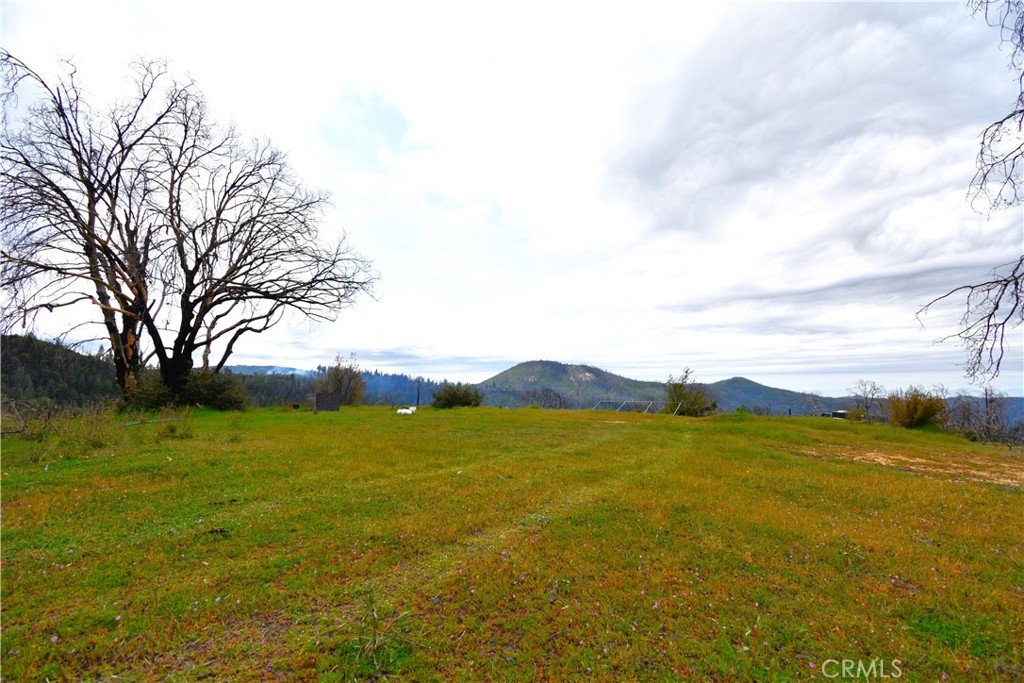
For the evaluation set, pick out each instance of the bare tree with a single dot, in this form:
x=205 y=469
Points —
x=183 y=236
x=995 y=306
x=984 y=418
x=867 y=396
x=997 y=182
x=815 y=402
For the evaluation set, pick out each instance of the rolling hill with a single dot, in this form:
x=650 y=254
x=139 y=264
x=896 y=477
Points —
x=584 y=386
x=740 y=391
x=581 y=385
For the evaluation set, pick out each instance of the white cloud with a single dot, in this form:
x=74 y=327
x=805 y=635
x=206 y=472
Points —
x=642 y=188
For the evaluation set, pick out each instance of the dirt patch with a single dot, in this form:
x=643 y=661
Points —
x=1008 y=470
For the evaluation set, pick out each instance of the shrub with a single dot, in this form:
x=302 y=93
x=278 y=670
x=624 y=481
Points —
x=685 y=397
x=217 y=390
x=344 y=379
x=456 y=396
x=857 y=414
x=95 y=426
x=29 y=419
x=915 y=408
x=68 y=431
x=148 y=394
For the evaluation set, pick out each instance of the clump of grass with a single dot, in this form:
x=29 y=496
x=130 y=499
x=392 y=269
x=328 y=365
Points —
x=381 y=640
x=76 y=431
x=378 y=647
x=175 y=423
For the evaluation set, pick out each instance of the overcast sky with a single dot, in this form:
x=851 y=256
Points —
x=761 y=190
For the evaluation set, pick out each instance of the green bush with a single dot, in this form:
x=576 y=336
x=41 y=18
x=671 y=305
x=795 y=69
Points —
x=856 y=414
x=215 y=390
x=916 y=408
x=174 y=423
x=148 y=394
x=685 y=397
x=457 y=396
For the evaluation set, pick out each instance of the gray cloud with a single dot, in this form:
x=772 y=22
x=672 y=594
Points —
x=921 y=284
x=785 y=88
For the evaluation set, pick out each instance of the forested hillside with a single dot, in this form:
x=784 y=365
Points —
x=31 y=368
x=281 y=387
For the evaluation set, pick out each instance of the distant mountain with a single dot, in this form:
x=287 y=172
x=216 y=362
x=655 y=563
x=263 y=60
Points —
x=1015 y=410
x=584 y=386
x=739 y=391
x=581 y=385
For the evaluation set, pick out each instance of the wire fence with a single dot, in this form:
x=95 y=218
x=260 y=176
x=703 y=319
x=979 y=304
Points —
x=639 y=406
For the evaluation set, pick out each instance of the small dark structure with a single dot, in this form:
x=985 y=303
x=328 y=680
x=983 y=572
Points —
x=328 y=401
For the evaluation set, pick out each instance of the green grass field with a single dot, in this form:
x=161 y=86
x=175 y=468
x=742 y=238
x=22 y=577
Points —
x=510 y=545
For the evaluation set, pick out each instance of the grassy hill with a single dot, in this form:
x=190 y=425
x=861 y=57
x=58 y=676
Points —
x=522 y=545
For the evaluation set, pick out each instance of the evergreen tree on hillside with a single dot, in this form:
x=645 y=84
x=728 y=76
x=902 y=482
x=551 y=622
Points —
x=31 y=368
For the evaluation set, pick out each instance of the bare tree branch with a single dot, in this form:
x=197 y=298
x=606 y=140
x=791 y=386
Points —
x=182 y=236
x=993 y=307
